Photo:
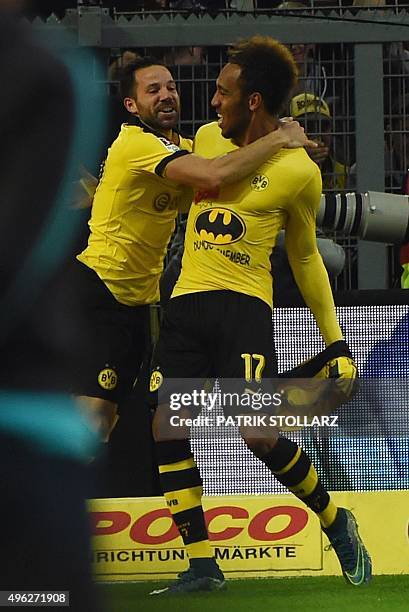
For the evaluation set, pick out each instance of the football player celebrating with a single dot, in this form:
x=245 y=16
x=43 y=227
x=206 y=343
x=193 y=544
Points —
x=218 y=322
x=146 y=178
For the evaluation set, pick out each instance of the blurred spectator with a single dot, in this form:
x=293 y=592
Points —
x=118 y=62
x=314 y=114
x=311 y=73
x=156 y=5
x=396 y=171
x=43 y=441
x=400 y=53
x=210 y=6
x=397 y=146
x=44 y=8
x=183 y=56
x=242 y=6
x=187 y=65
x=397 y=166
x=368 y=3
x=396 y=72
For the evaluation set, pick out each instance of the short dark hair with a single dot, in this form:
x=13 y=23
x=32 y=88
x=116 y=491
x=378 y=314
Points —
x=268 y=67
x=127 y=75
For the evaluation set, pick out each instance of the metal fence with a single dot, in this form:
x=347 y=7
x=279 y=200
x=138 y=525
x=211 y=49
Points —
x=363 y=78
x=327 y=72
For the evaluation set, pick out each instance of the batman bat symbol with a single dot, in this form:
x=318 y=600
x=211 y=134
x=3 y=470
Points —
x=219 y=226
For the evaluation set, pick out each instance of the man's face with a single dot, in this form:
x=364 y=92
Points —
x=156 y=100
x=230 y=103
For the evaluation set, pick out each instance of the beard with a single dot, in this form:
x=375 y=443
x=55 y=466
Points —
x=237 y=130
x=159 y=122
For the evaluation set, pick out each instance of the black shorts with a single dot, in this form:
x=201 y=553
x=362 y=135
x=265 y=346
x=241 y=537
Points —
x=116 y=342
x=215 y=334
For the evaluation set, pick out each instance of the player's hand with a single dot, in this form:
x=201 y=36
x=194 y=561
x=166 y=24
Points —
x=318 y=153
x=84 y=189
x=343 y=372
x=294 y=134
x=331 y=386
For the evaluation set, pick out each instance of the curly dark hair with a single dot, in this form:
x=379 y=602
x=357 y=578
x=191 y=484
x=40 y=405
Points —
x=268 y=67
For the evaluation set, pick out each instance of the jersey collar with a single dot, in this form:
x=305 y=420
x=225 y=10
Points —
x=146 y=128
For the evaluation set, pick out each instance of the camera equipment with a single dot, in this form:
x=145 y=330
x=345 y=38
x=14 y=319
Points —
x=372 y=216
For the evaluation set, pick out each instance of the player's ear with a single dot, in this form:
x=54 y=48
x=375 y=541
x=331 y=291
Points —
x=131 y=106
x=255 y=101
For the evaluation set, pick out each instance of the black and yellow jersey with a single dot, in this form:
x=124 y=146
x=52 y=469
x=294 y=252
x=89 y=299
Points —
x=133 y=214
x=230 y=235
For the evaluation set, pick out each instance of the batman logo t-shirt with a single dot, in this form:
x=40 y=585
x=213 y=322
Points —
x=230 y=234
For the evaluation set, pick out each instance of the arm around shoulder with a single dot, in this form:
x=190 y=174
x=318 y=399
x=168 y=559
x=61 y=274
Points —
x=212 y=174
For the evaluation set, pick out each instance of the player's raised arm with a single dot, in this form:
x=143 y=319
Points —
x=211 y=174
x=306 y=262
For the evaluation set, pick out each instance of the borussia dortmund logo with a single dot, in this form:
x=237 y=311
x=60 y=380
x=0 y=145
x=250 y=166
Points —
x=259 y=182
x=108 y=379
x=156 y=381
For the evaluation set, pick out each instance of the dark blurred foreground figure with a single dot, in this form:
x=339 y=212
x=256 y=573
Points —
x=44 y=443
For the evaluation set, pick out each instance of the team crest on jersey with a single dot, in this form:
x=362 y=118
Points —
x=108 y=379
x=219 y=226
x=259 y=182
x=155 y=381
x=169 y=145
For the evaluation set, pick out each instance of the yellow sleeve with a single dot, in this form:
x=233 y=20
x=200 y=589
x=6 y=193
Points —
x=152 y=153
x=306 y=262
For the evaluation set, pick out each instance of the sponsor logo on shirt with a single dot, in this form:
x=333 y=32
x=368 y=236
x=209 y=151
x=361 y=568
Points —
x=165 y=201
x=169 y=145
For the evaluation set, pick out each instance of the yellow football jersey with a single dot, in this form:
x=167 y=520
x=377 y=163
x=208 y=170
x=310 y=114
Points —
x=230 y=235
x=133 y=214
